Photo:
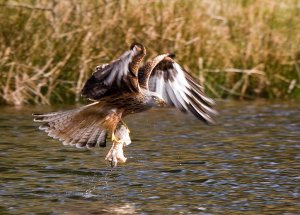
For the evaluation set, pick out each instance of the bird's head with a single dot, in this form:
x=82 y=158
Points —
x=155 y=100
x=159 y=101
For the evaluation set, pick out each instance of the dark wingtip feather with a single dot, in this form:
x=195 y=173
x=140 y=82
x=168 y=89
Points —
x=103 y=143
x=38 y=117
x=44 y=126
x=134 y=43
x=195 y=113
x=172 y=55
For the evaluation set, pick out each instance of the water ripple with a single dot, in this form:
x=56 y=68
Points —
x=248 y=163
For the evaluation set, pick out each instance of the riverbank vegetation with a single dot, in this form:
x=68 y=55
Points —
x=242 y=49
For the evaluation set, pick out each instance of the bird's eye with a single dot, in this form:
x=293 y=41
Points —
x=154 y=98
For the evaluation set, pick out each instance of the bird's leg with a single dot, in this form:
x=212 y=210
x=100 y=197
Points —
x=114 y=138
x=115 y=154
x=120 y=138
x=125 y=125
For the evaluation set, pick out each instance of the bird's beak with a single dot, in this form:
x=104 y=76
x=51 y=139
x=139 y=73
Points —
x=161 y=103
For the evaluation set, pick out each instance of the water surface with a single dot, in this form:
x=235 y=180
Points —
x=249 y=163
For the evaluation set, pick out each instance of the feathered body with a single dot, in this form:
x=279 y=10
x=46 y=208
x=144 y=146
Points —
x=124 y=87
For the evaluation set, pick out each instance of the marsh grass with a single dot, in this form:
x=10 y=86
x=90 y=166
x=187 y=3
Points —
x=237 y=48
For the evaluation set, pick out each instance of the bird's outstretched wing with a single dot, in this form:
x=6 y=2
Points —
x=178 y=88
x=118 y=76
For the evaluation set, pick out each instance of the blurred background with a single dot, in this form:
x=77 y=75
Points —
x=248 y=163
x=241 y=49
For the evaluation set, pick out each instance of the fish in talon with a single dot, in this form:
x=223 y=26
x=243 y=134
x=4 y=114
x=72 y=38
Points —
x=116 y=153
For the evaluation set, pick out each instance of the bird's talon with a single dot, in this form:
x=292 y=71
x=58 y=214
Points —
x=114 y=138
x=113 y=163
x=120 y=138
x=116 y=155
x=125 y=125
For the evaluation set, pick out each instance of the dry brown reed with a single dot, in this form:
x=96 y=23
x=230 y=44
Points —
x=237 y=48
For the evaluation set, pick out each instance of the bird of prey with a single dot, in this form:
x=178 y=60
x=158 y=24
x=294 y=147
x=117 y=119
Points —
x=125 y=87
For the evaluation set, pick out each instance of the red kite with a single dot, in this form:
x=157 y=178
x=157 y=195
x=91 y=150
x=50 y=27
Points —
x=123 y=87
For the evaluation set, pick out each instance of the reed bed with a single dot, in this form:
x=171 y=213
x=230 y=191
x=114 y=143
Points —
x=241 y=49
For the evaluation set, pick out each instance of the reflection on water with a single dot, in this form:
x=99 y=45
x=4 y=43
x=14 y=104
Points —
x=248 y=163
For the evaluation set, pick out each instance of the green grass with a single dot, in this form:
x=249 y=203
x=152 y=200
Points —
x=243 y=49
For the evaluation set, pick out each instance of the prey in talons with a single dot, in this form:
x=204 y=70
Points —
x=120 y=139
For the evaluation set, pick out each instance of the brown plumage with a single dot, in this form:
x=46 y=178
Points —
x=124 y=87
x=111 y=78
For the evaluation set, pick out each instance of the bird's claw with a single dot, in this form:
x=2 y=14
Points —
x=114 y=139
x=123 y=123
x=120 y=138
x=115 y=154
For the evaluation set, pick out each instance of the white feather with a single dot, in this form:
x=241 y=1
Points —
x=177 y=94
x=178 y=91
x=159 y=85
x=120 y=69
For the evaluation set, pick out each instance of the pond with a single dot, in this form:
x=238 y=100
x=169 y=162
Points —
x=249 y=163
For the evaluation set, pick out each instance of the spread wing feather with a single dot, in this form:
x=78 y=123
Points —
x=83 y=127
x=179 y=89
x=112 y=78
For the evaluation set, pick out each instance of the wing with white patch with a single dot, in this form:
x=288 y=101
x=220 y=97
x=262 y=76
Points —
x=179 y=89
x=113 y=78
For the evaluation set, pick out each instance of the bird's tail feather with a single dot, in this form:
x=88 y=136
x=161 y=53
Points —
x=87 y=126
